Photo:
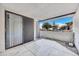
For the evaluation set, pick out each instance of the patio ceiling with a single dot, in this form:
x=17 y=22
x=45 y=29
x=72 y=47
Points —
x=41 y=11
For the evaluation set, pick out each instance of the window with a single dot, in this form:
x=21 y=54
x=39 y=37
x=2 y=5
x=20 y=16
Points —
x=59 y=24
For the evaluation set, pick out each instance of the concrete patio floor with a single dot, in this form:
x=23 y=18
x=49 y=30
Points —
x=42 y=47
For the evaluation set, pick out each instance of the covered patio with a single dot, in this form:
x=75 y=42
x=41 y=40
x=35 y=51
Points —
x=36 y=42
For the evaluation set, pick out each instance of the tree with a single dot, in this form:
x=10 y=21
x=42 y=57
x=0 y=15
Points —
x=69 y=24
x=46 y=26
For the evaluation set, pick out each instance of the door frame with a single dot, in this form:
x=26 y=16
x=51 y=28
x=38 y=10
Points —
x=6 y=11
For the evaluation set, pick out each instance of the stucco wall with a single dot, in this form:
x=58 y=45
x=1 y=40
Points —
x=2 y=29
x=63 y=36
x=76 y=29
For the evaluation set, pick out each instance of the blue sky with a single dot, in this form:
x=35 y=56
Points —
x=61 y=20
x=58 y=21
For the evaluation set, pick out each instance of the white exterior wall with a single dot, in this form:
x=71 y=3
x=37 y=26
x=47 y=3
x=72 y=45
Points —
x=76 y=29
x=2 y=29
x=63 y=36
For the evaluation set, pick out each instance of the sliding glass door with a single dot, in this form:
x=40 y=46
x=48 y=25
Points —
x=14 y=30
x=18 y=29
